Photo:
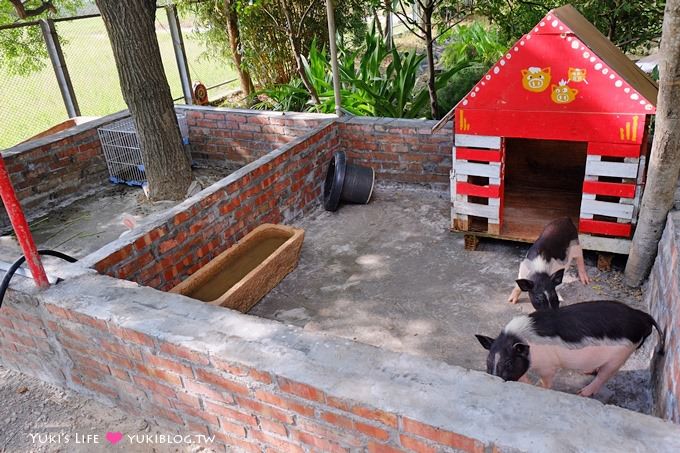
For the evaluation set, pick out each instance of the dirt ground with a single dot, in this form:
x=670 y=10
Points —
x=391 y=274
x=39 y=417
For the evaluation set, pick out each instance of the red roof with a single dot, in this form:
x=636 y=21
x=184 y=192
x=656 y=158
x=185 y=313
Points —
x=558 y=81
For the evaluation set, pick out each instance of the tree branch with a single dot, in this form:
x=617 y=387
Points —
x=266 y=11
x=406 y=23
x=450 y=27
x=23 y=13
x=304 y=15
x=406 y=19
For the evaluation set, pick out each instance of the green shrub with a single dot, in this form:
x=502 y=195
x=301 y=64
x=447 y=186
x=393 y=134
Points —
x=475 y=47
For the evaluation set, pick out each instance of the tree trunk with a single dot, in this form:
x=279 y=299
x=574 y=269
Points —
x=389 y=25
x=427 y=25
x=664 y=162
x=130 y=25
x=235 y=43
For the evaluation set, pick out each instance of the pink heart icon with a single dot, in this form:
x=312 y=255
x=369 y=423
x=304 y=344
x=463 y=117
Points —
x=114 y=437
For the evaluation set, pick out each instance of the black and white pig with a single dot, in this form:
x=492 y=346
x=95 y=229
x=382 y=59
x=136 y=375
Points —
x=588 y=337
x=547 y=259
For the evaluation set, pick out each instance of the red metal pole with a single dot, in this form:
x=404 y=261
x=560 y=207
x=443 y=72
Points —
x=18 y=219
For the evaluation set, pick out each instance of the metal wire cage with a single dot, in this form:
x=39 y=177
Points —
x=122 y=151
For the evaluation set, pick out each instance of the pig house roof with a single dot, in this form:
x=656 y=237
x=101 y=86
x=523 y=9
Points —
x=556 y=82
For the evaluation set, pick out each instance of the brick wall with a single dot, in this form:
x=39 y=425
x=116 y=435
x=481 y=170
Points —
x=258 y=385
x=663 y=297
x=233 y=136
x=56 y=170
x=276 y=188
x=399 y=150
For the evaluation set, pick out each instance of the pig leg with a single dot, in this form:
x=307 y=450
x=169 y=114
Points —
x=514 y=296
x=523 y=273
x=605 y=372
x=575 y=251
x=547 y=379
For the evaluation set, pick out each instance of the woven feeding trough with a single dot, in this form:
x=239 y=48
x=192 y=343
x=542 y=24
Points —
x=557 y=127
x=243 y=274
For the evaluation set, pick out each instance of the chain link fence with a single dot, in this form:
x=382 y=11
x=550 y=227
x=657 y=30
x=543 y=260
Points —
x=31 y=104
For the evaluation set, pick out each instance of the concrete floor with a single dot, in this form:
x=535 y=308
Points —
x=93 y=221
x=391 y=274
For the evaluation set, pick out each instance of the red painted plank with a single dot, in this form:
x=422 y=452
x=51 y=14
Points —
x=605 y=228
x=478 y=154
x=613 y=189
x=465 y=188
x=613 y=149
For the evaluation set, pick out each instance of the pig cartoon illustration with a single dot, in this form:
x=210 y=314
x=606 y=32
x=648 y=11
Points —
x=542 y=269
x=535 y=79
x=588 y=336
x=562 y=93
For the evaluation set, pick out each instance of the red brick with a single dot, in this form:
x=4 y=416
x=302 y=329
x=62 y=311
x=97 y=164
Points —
x=119 y=374
x=219 y=381
x=86 y=362
x=232 y=414
x=240 y=444
x=89 y=321
x=374 y=447
x=99 y=388
x=372 y=431
x=273 y=427
x=166 y=414
x=376 y=415
x=155 y=386
x=338 y=403
x=131 y=335
x=184 y=353
x=302 y=390
x=195 y=412
x=318 y=442
x=441 y=436
x=232 y=428
x=276 y=442
x=331 y=433
x=168 y=364
x=284 y=403
x=56 y=311
x=157 y=373
x=416 y=445
x=338 y=420
x=197 y=387
x=188 y=399
x=120 y=349
x=264 y=409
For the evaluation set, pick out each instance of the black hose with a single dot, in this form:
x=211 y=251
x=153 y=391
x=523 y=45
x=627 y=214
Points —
x=13 y=268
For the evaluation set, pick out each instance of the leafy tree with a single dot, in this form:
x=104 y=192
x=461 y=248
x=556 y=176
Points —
x=264 y=42
x=22 y=49
x=627 y=23
x=475 y=45
x=434 y=18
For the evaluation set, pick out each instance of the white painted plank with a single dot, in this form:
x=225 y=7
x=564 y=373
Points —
x=480 y=210
x=624 y=211
x=617 y=169
x=492 y=170
x=478 y=141
x=604 y=244
x=452 y=183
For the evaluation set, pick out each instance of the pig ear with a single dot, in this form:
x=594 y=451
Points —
x=556 y=278
x=521 y=349
x=546 y=70
x=486 y=342
x=524 y=284
x=524 y=72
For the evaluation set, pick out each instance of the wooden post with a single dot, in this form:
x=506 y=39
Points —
x=664 y=162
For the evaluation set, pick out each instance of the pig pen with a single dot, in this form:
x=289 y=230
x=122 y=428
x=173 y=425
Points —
x=375 y=349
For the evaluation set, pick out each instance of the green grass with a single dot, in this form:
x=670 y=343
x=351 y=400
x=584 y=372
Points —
x=31 y=104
